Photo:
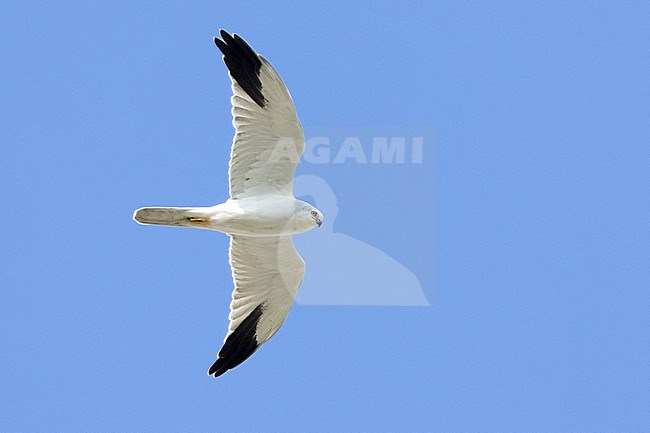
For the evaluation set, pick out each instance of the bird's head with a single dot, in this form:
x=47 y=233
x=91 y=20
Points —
x=309 y=215
x=317 y=216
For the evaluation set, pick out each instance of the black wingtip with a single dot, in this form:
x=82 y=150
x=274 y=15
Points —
x=239 y=346
x=243 y=63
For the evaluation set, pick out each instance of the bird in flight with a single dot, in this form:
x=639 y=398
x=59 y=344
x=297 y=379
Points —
x=262 y=213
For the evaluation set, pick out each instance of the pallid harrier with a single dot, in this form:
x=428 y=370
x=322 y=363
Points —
x=261 y=214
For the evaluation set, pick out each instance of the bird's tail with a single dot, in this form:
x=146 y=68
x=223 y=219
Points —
x=171 y=216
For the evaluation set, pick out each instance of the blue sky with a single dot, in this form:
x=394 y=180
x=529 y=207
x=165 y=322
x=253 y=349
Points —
x=525 y=225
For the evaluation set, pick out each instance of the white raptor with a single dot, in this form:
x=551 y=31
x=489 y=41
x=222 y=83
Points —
x=261 y=214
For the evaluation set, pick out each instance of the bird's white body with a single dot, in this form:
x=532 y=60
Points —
x=263 y=216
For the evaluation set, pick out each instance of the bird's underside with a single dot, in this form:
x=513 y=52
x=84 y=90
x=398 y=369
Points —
x=262 y=214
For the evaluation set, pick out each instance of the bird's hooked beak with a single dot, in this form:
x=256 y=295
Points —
x=318 y=220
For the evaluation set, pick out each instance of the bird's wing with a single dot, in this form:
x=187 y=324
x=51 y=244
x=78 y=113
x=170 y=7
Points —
x=267 y=272
x=268 y=137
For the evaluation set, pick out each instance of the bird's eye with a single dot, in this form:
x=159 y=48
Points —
x=314 y=213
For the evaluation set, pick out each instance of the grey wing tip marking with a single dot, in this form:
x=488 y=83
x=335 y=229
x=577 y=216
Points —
x=243 y=63
x=240 y=345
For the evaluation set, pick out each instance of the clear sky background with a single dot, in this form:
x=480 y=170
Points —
x=526 y=224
